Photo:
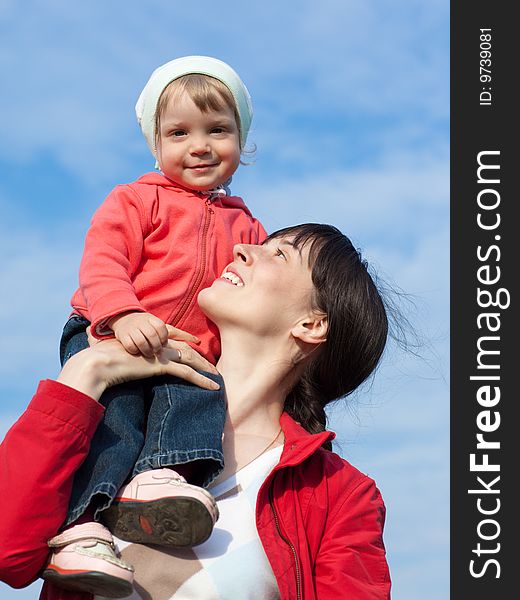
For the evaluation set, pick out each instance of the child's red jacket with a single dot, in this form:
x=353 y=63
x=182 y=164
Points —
x=319 y=519
x=152 y=246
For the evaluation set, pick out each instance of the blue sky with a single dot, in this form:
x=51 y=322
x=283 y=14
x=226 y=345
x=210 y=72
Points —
x=351 y=126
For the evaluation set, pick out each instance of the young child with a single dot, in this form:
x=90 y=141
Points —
x=152 y=246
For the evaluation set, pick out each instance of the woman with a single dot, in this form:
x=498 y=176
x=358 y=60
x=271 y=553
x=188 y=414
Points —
x=301 y=324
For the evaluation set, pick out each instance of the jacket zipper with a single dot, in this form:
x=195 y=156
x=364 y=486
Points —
x=208 y=211
x=288 y=542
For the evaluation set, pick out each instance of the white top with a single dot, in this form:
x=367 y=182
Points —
x=231 y=565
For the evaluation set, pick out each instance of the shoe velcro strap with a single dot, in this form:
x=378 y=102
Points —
x=84 y=531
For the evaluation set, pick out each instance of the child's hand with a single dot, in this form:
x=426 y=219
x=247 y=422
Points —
x=140 y=332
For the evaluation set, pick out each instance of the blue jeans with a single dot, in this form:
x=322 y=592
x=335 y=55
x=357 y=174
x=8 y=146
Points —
x=148 y=424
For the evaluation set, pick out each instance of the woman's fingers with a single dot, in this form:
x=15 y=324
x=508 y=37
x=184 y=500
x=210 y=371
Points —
x=188 y=373
x=177 y=358
x=189 y=356
x=181 y=335
x=94 y=369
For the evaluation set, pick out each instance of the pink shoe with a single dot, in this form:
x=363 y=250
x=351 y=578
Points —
x=159 y=507
x=84 y=559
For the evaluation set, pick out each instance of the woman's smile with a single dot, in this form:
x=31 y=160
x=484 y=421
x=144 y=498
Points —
x=232 y=278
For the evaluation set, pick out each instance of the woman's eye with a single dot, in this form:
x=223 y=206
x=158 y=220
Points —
x=280 y=253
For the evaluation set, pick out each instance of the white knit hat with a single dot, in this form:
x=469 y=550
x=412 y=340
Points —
x=204 y=65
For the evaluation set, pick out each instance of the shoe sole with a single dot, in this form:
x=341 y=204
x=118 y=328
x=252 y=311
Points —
x=178 y=522
x=92 y=582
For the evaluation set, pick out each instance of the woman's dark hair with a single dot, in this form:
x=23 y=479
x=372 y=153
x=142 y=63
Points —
x=357 y=322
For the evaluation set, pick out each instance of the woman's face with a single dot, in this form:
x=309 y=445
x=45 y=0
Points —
x=266 y=290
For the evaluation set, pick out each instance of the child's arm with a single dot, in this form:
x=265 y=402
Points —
x=112 y=255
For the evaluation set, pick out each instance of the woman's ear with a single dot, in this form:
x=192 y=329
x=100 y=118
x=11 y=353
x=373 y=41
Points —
x=312 y=330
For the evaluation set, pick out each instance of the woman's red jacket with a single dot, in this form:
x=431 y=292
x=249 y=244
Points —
x=320 y=520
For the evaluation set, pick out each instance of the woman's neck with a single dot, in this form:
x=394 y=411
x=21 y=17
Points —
x=258 y=372
x=257 y=377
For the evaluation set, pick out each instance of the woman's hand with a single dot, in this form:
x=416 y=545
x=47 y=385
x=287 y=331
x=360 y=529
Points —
x=107 y=363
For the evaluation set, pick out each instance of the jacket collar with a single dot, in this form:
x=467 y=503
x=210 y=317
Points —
x=158 y=179
x=299 y=443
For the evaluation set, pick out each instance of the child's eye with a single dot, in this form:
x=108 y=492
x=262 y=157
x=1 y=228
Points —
x=178 y=133
x=218 y=130
x=281 y=253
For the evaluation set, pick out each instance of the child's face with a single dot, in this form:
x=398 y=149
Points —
x=197 y=150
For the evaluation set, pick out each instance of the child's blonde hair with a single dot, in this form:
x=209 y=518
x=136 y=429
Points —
x=206 y=92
